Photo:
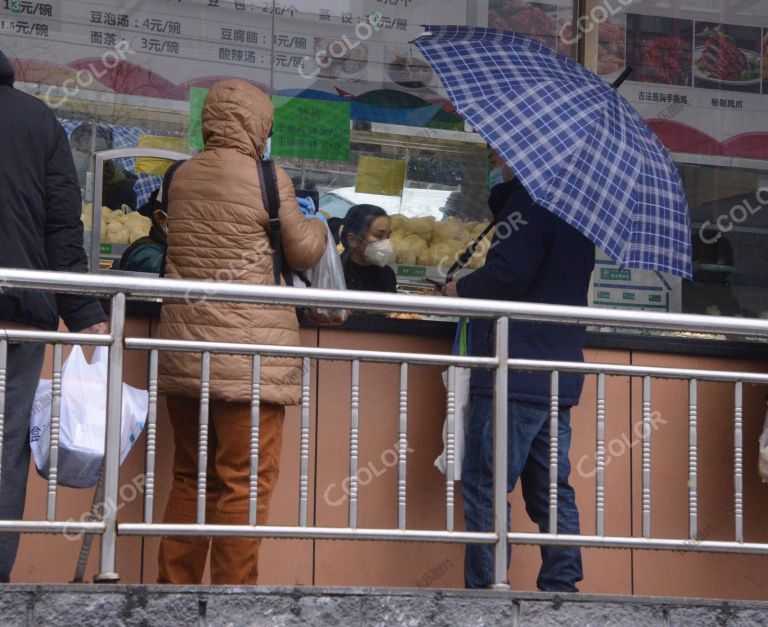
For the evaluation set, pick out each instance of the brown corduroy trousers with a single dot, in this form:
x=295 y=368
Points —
x=233 y=561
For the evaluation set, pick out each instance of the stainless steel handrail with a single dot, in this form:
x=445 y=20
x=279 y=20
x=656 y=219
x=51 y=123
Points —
x=501 y=313
x=140 y=287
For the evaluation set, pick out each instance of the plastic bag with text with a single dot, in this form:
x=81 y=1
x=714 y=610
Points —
x=461 y=398
x=83 y=418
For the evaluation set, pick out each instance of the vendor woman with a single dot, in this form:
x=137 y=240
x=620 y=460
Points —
x=368 y=250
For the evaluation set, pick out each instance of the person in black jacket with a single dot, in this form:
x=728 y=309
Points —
x=41 y=230
x=368 y=250
x=147 y=254
x=534 y=257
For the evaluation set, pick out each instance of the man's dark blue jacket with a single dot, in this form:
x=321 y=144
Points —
x=40 y=226
x=537 y=258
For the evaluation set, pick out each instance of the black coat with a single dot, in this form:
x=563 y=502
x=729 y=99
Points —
x=537 y=258
x=40 y=204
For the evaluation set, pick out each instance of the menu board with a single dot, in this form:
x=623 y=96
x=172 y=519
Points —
x=701 y=84
x=354 y=51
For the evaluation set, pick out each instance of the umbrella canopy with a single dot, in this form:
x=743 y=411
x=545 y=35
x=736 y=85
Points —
x=580 y=149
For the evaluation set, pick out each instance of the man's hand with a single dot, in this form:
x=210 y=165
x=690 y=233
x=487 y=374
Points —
x=100 y=328
x=449 y=289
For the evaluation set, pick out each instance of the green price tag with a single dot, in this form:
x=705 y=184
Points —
x=629 y=296
x=106 y=249
x=418 y=272
x=614 y=274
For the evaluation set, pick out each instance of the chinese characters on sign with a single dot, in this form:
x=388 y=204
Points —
x=727 y=103
x=294 y=47
x=311 y=129
x=25 y=7
x=655 y=96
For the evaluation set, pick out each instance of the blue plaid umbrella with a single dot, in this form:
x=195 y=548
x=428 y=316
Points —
x=580 y=149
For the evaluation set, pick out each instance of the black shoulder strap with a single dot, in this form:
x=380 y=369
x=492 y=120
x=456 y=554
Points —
x=271 y=199
x=464 y=258
x=167 y=182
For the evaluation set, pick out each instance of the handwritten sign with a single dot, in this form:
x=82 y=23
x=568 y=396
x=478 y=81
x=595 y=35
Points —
x=311 y=129
x=380 y=176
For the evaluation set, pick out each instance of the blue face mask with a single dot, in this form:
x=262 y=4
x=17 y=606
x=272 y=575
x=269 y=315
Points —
x=268 y=149
x=496 y=177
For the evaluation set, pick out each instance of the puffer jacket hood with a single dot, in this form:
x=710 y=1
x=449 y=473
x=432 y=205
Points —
x=7 y=75
x=238 y=116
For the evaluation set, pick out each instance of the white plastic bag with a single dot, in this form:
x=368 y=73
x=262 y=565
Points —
x=328 y=274
x=461 y=408
x=762 y=460
x=461 y=392
x=82 y=424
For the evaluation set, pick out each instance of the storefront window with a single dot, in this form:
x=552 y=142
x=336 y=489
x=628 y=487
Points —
x=697 y=81
x=118 y=75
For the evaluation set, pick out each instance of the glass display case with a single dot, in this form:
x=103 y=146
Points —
x=437 y=205
x=120 y=223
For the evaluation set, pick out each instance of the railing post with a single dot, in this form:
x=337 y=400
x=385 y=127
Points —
x=3 y=384
x=600 y=457
x=647 y=457
x=107 y=572
x=354 y=442
x=693 y=460
x=554 y=433
x=151 y=454
x=738 y=462
x=500 y=430
x=402 y=447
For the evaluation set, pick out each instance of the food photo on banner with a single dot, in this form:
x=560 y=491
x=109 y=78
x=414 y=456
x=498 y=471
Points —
x=660 y=49
x=612 y=47
x=727 y=57
x=547 y=23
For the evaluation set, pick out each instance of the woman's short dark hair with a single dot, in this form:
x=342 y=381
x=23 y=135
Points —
x=358 y=221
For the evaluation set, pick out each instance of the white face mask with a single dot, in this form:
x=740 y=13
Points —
x=496 y=177
x=268 y=149
x=379 y=253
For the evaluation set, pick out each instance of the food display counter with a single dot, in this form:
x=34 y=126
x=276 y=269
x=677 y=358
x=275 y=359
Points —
x=433 y=222
x=120 y=227
x=373 y=125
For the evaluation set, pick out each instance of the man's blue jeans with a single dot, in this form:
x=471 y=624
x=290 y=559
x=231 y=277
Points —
x=529 y=460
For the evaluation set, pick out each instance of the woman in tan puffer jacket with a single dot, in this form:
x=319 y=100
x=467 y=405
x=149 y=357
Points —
x=218 y=231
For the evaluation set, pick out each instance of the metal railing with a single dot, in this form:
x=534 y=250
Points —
x=119 y=288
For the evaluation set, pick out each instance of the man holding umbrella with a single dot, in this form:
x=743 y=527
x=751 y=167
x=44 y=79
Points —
x=587 y=171
x=542 y=260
